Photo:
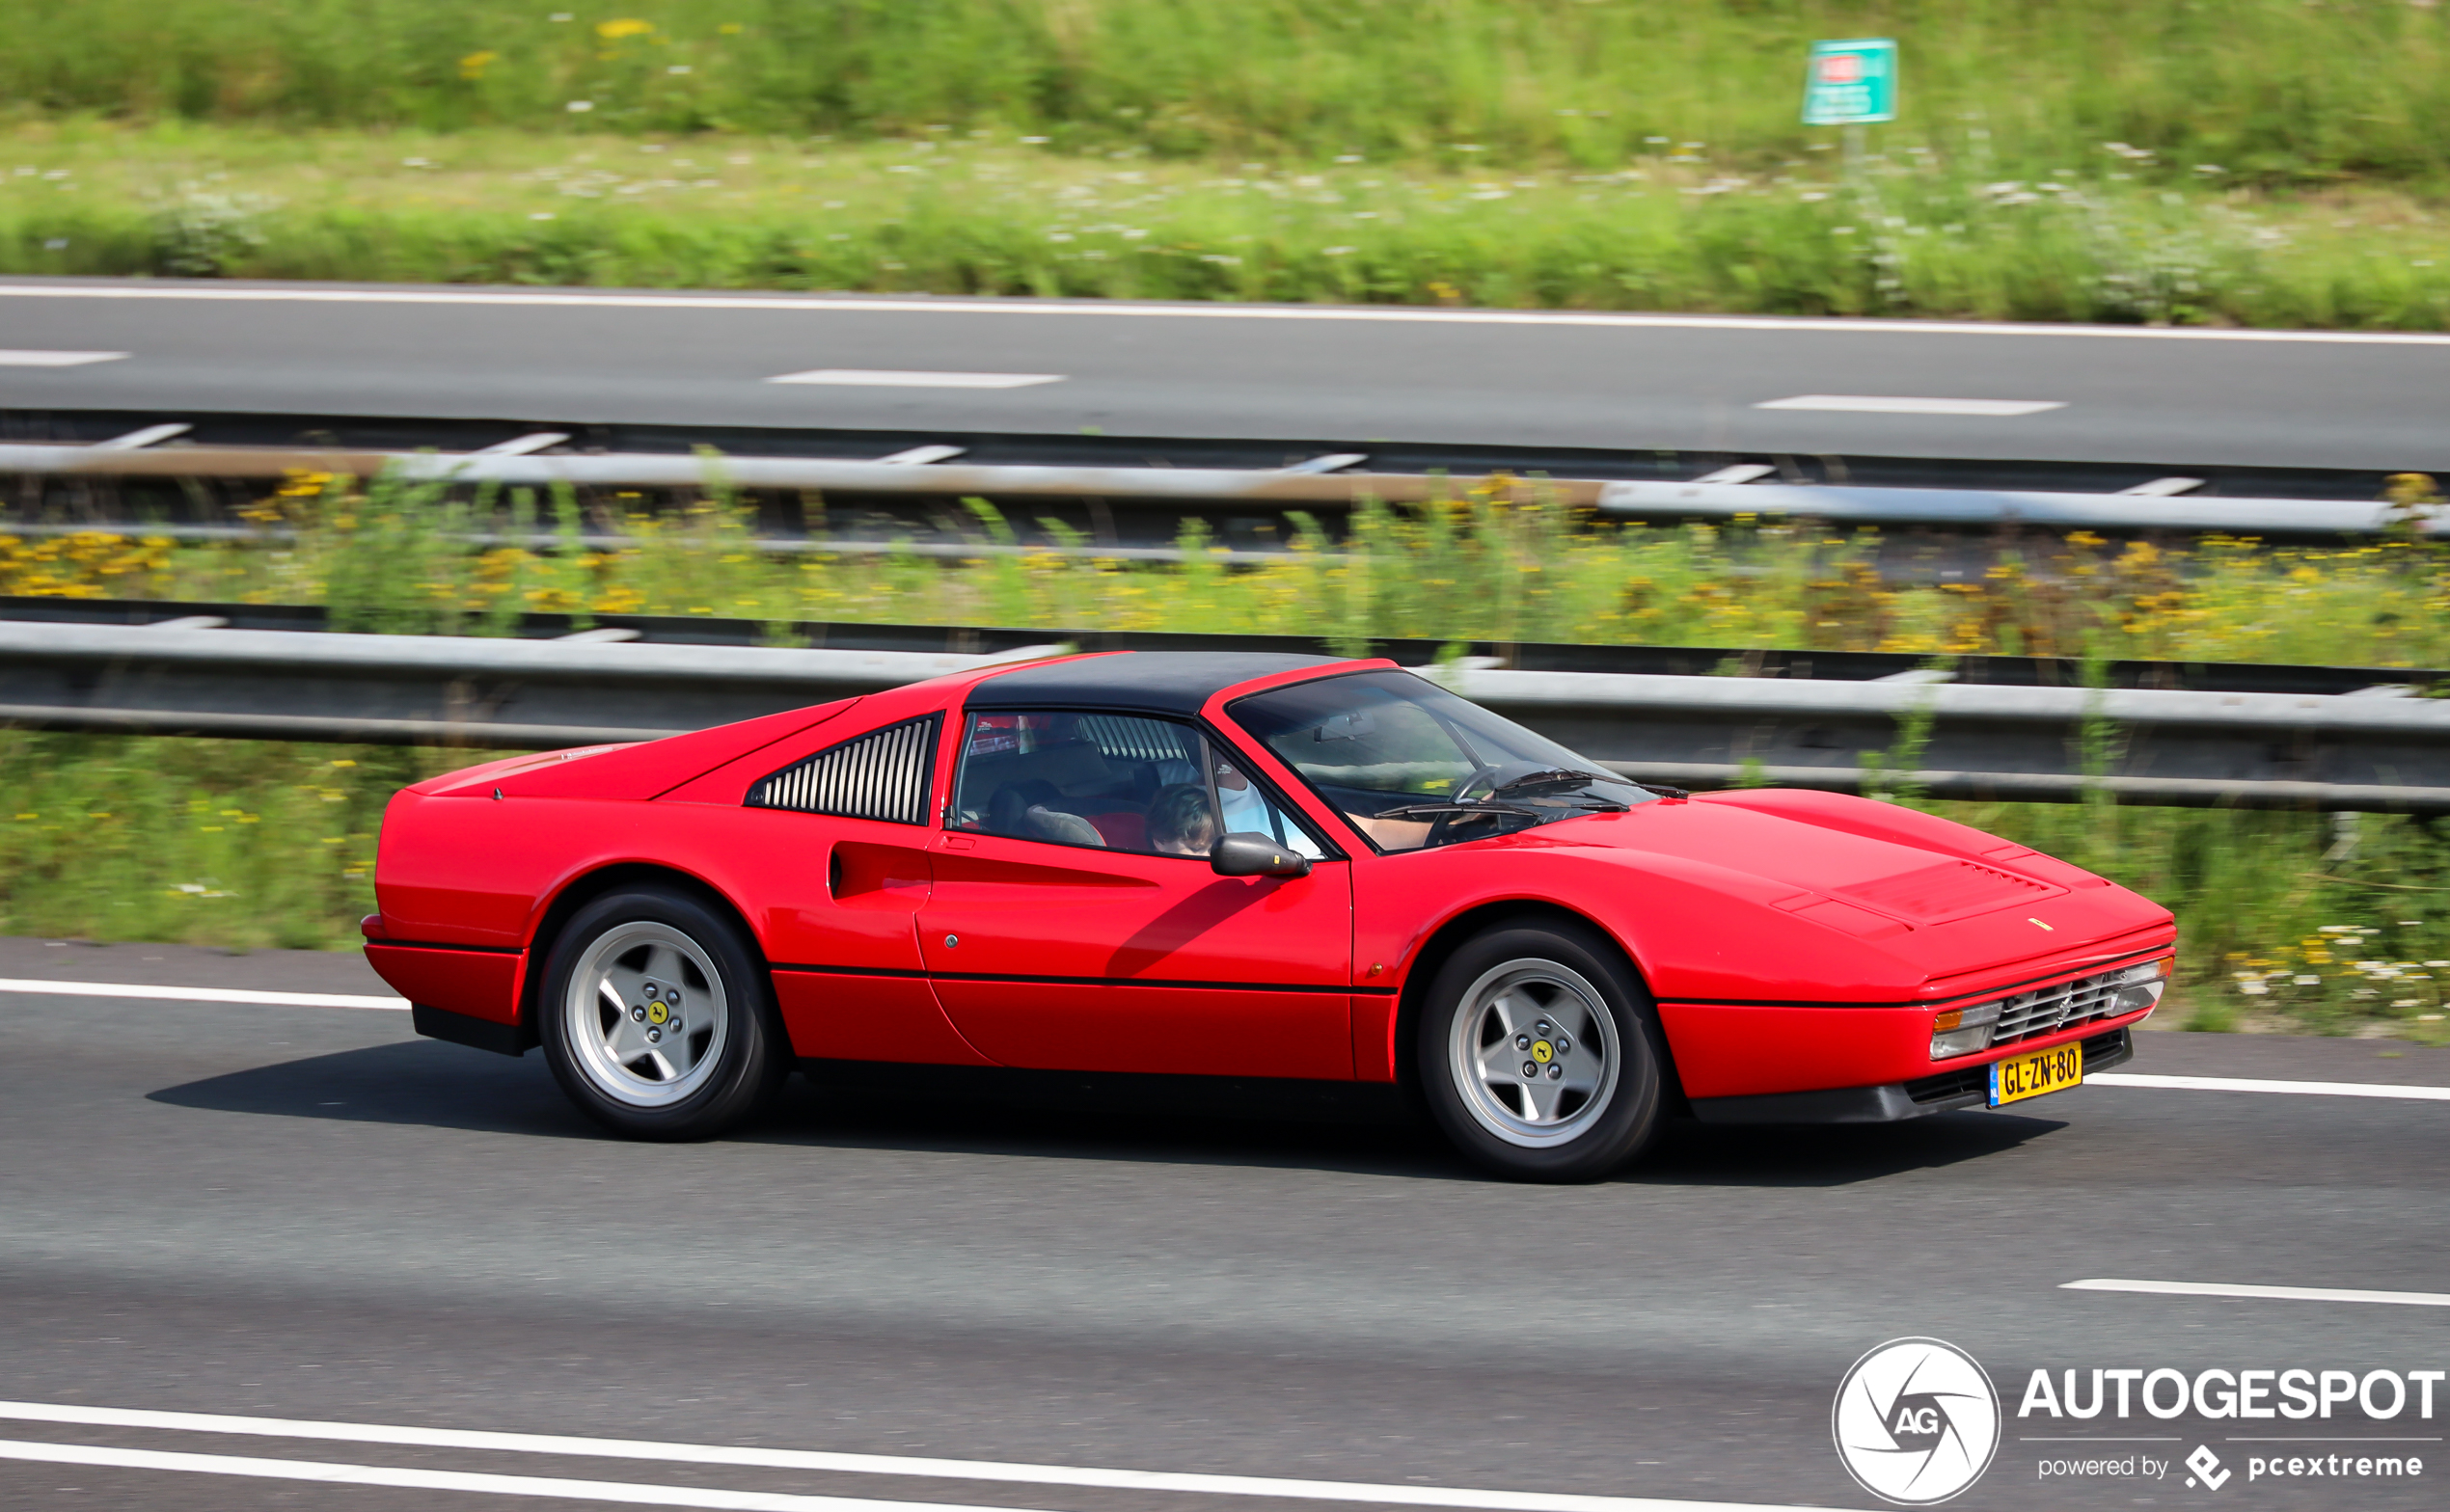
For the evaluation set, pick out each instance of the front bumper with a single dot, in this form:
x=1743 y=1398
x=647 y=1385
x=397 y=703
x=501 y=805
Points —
x=1966 y=1087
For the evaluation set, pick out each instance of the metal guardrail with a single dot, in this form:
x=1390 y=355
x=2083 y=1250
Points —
x=1318 y=483
x=1529 y=656
x=1846 y=504
x=2379 y=750
x=179 y=679
x=768 y=545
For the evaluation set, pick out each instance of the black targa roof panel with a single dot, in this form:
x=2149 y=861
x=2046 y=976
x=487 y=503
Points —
x=1163 y=682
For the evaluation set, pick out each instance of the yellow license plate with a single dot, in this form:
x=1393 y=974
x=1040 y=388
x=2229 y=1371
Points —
x=2054 y=1070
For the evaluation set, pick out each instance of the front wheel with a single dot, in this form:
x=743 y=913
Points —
x=1539 y=1055
x=657 y=1018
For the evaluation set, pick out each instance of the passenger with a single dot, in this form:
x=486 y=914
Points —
x=1180 y=822
x=1008 y=810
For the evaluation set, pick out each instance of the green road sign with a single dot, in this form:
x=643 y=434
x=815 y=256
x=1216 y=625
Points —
x=1851 y=83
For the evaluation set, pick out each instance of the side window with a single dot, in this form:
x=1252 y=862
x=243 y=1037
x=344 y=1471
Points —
x=881 y=776
x=1115 y=782
x=1245 y=806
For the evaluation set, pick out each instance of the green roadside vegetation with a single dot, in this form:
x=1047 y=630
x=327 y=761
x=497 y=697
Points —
x=951 y=215
x=2265 y=162
x=413 y=559
x=2288 y=919
x=2273 y=89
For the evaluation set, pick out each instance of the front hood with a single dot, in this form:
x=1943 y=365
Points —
x=1952 y=904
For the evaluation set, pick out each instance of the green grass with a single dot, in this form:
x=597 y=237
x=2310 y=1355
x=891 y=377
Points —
x=2272 y=89
x=2099 y=237
x=233 y=843
x=2257 y=162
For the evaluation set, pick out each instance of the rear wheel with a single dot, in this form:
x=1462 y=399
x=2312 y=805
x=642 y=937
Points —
x=658 y=1020
x=1538 y=1055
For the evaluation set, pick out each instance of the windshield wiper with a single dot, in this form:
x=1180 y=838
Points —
x=1489 y=808
x=1553 y=777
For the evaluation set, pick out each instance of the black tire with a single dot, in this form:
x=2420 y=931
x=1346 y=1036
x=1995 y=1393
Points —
x=1490 y=1113
x=719 y=992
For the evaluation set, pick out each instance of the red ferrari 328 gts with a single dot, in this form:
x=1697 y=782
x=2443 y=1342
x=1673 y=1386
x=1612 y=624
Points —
x=1241 y=865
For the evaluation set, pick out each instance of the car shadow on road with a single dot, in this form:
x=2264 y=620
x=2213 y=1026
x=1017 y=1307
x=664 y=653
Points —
x=434 y=1084
x=1361 y=1129
x=424 y=1082
x=1698 y=1154
x=1168 y=1121
x=1171 y=1121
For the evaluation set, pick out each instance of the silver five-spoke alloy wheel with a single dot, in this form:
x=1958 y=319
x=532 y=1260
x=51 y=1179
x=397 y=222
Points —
x=1534 y=1053
x=645 y=1015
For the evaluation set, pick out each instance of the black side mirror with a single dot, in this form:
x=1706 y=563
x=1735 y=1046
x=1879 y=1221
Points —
x=1247 y=854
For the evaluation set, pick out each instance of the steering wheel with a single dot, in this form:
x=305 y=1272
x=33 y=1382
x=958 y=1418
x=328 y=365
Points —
x=1492 y=777
x=1489 y=775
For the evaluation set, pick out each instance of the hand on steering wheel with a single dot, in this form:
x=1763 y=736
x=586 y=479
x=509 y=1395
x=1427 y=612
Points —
x=1462 y=794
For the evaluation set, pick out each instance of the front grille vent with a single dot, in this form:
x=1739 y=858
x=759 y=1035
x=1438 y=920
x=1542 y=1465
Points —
x=883 y=775
x=2044 y=1011
x=1970 y=1081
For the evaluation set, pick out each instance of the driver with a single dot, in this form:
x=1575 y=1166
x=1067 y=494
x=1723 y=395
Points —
x=1180 y=822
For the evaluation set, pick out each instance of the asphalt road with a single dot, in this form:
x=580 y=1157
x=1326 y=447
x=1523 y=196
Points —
x=2116 y=395
x=307 y=1213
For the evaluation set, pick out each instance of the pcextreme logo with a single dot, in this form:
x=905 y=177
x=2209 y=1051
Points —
x=1916 y=1421
x=2207 y=1468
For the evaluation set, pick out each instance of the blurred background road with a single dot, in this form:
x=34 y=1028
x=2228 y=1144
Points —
x=307 y=1213
x=2081 y=394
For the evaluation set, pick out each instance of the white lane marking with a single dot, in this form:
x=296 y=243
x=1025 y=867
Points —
x=852 y=1464
x=1367 y=314
x=2199 y=1288
x=1893 y=404
x=199 y=994
x=889 y=378
x=2263 y=1084
x=20 y=358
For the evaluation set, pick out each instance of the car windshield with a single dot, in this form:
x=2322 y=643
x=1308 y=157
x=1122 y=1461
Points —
x=1413 y=766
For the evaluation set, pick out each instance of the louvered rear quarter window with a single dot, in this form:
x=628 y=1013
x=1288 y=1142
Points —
x=883 y=775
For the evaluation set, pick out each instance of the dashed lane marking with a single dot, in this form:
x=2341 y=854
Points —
x=199 y=994
x=726 y=1454
x=1894 y=404
x=894 y=378
x=2200 y=1288
x=22 y=358
x=2266 y=1084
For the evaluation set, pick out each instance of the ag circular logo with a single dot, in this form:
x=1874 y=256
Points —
x=1916 y=1421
